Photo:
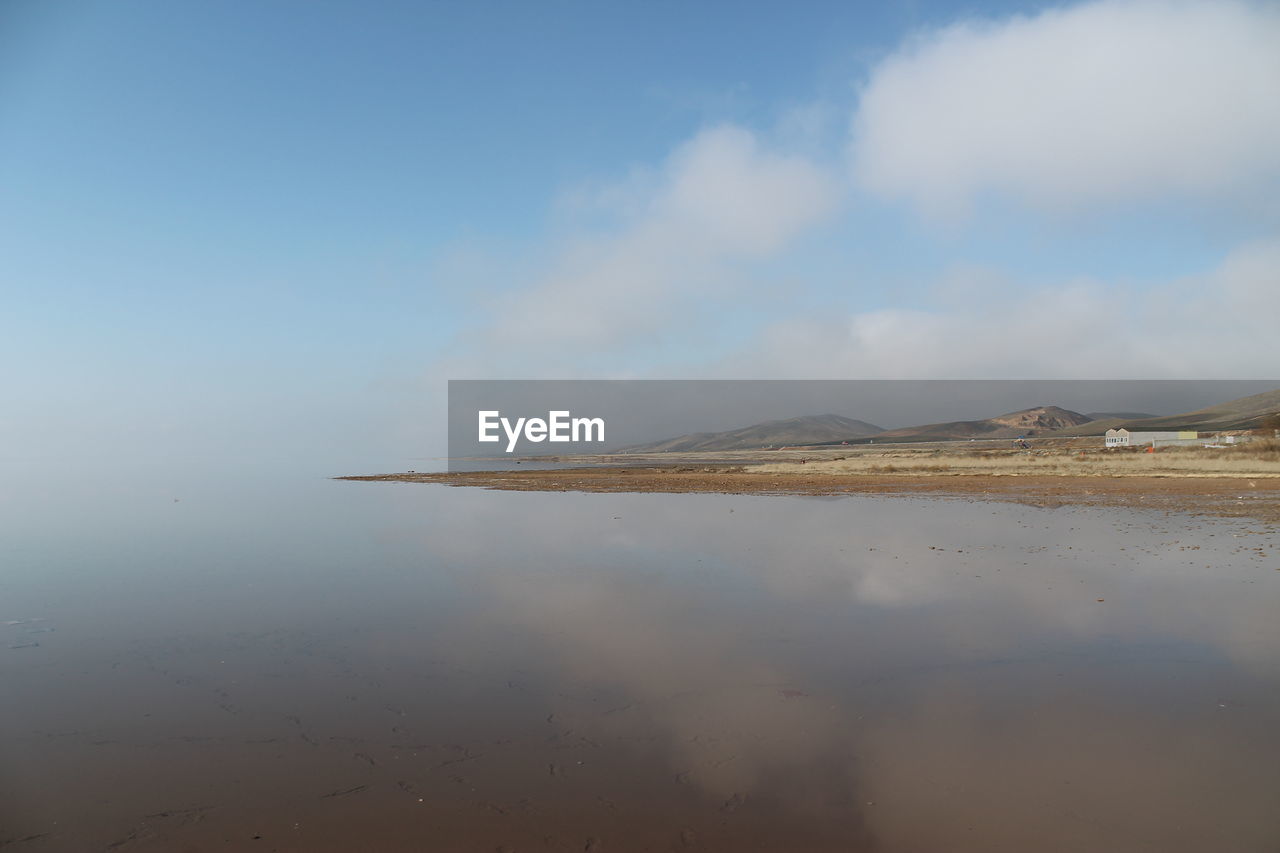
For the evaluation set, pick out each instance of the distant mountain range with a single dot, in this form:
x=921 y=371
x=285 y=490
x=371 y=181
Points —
x=1039 y=421
x=810 y=429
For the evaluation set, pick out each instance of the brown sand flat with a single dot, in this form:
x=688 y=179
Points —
x=1221 y=496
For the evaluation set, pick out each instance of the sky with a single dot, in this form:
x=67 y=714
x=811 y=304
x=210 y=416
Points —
x=273 y=230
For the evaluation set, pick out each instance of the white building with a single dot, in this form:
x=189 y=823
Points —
x=1187 y=438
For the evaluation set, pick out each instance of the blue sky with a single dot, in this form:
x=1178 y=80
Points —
x=250 y=219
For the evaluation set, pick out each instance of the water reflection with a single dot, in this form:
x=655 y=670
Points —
x=410 y=667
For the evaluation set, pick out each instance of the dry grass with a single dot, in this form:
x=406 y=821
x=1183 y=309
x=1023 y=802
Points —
x=1266 y=449
x=1255 y=459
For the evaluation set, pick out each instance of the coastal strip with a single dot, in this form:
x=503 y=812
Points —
x=1242 y=496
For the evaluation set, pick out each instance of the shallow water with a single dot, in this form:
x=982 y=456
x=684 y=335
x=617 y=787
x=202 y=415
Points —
x=337 y=666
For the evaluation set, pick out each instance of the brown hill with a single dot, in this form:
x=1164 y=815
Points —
x=1035 y=421
x=810 y=429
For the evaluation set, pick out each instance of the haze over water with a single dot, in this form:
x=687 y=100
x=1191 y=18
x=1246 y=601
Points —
x=309 y=665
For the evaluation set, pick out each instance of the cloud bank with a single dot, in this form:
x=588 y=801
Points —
x=1102 y=102
x=1215 y=325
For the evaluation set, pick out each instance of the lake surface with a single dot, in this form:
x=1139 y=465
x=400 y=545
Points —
x=309 y=665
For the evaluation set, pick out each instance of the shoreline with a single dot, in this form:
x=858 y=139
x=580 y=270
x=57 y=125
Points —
x=1244 y=496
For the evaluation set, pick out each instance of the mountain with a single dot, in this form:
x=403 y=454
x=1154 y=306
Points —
x=1035 y=421
x=1097 y=426
x=1123 y=416
x=1242 y=413
x=810 y=429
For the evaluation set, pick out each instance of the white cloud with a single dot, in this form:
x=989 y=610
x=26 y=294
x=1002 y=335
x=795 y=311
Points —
x=1216 y=325
x=720 y=199
x=1119 y=100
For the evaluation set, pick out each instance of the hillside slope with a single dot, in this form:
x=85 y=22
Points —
x=809 y=429
x=1038 y=420
x=1239 y=414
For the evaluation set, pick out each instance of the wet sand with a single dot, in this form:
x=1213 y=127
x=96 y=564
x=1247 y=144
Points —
x=1231 y=497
